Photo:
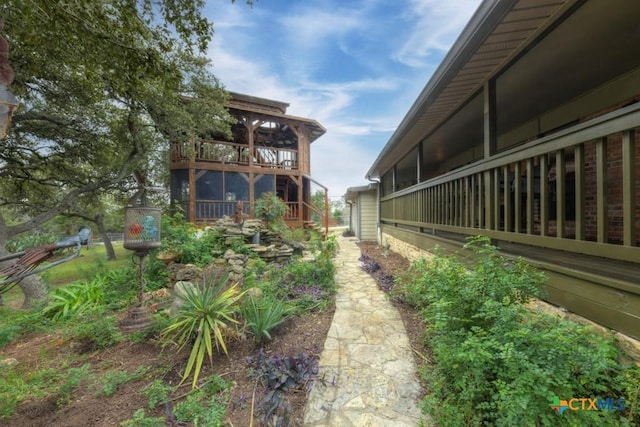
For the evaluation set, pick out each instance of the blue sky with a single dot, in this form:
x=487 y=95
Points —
x=355 y=66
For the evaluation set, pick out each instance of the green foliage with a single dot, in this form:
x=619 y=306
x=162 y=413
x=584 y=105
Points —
x=72 y=380
x=191 y=245
x=157 y=392
x=496 y=363
x=29 y=240
x=75 y=299
x=303 y=285
x=113 y=379
x=456 y=297
x=263 y=315
x=201 y=322
x=273 y=209
x=120 y=285
x=17 y=385
x=296 y=235
x=96 y=332
x=15 y=324
x=124 y=72
x=140 y=419
x=205 y=406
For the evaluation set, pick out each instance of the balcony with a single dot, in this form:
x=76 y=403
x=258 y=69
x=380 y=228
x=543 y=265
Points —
x=230 y=153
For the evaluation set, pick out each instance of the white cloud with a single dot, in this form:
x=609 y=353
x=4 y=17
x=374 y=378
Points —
x=287 y=52
x=438 y=24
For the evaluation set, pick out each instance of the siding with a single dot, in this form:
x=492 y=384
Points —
x=367 y=216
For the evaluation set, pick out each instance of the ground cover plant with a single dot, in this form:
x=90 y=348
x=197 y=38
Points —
x=72 y=366
x=493 y=362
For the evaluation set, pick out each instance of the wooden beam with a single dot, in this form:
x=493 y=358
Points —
x=544 y=195
x=629 y=187
x=496 y=198
x=530 y=195
x=601 y=189
x=517 y=203
x=489 y=110
x=506 y=175
x=560 y=193
x=578 y=154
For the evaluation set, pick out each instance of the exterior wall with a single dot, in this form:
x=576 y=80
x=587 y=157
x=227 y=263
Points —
x=367 y=216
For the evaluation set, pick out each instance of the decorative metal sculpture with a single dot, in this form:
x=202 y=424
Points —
x=30 y=258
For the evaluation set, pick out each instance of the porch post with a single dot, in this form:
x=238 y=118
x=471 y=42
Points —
x=490 y=140
x=192 y=194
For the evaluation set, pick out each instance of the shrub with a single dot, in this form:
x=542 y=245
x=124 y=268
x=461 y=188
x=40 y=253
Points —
x=270 y=207
x=112 y=380
x=18 y=323
x=495 y=363
x=96 y=332
x=201 y=323
x=204 y=407
x=263 y=314
x=76 y=298
x=157 y=392
x=193 y=246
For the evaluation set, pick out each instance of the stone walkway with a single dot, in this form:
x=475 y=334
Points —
x=367 y=363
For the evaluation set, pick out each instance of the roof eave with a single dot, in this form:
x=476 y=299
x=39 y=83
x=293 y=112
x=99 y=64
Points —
x=485 y=18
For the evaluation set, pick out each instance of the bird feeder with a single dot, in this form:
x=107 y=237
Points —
x=142 y=229
x=141 y=235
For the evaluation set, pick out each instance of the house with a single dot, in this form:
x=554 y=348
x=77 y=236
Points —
x=527 y=133
x=363 y=211
x=269 y=151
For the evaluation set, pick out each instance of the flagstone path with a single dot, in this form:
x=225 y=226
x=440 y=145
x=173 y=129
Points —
x=367 y=368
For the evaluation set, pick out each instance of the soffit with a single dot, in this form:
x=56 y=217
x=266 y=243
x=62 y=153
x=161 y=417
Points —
x=493 y=37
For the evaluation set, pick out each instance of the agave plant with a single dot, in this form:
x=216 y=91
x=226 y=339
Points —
x=206 y=312
x=263 y=314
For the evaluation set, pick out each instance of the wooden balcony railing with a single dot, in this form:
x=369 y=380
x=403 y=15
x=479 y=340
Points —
x=576 y=190
x=207 y=210
x=234 y=153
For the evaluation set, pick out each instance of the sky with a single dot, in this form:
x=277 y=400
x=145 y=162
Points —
x=355 y=66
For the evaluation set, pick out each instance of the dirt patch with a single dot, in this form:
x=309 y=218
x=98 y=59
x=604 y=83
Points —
x=87 y=408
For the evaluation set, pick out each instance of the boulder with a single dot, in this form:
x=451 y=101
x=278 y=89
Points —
x=179 y=292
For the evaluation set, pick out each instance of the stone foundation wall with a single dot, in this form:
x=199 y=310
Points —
x=408 y=251
x=629 y=345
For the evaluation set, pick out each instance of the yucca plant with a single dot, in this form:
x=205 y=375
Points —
x=206 y=312
x=263 y=314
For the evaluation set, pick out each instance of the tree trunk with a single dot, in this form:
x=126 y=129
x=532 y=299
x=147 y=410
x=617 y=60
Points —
x=33 y=287
x=34 y=290
x=108 y=246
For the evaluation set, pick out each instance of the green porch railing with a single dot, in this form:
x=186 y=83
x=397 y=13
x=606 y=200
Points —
x=576 y=190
